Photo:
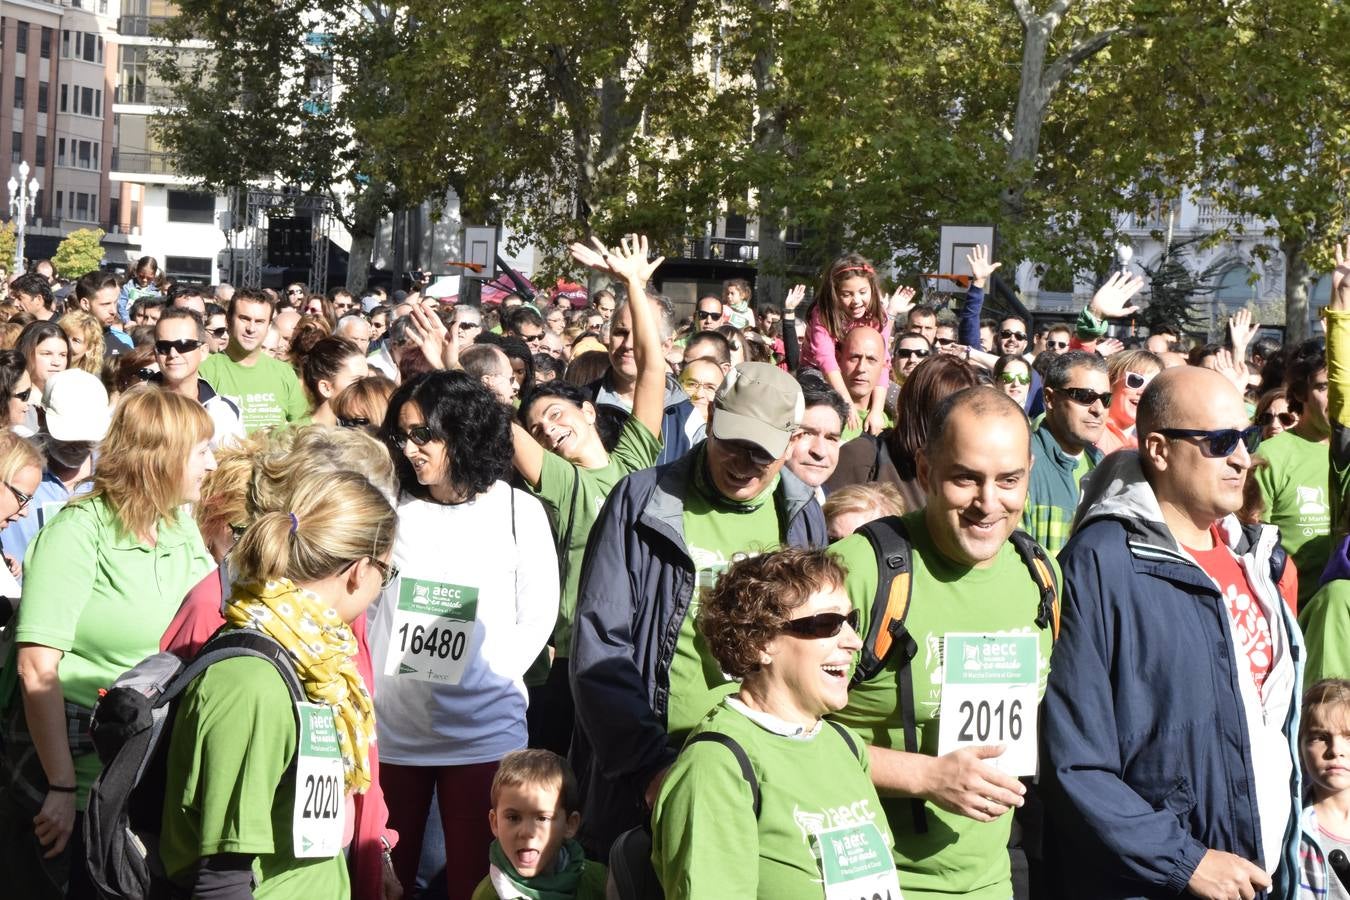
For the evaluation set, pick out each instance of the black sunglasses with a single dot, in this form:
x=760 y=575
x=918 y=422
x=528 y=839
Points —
x=1014 y=335
x=388 y=573
x=1267 y=419
x=359 y=422
x=218 y=333
x=1220 y=442
x=822 y=625
x=705 y=314
x=906 y=353
x=1058 y=345
x=24 y=394
x=945 y=342
x=1084 y=396
x=183 y=346
x=24 y=499
x=420 y=435
x=465 y=326
x=146 y=374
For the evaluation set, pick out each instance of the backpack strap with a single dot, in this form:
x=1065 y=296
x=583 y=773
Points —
x=846 y=735
x=895 y=570
x=228 y=645
x=747 y=772
x=1043 y=574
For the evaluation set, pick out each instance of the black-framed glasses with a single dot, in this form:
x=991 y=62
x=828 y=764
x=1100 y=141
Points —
x=1220 y=442
x=293 y=291
x=944 y=342
x=1267 y=419
x=465 y=326
x=218 y=333
x=146 y=374
x=420 y=435
x=183 y=346
x=24 y=394
x=1134 y=381
x=1085 y=397
x=358 y=422
x=907 y=352
x=708 y=314
x=388 y=572
x=821 y=625
x=24 y=499
x=532 y=338
x=1057 y=345
x=1012 y=335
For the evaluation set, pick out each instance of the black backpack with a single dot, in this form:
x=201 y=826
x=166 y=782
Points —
x=886 y=632
x=631 y=874
x=131 y=727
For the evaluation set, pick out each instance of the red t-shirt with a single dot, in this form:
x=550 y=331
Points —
x=1251 y=626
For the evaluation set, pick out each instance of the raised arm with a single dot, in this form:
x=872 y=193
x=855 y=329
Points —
x=792 y=347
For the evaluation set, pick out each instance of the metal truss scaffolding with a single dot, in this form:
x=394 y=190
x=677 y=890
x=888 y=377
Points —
x=260 y=206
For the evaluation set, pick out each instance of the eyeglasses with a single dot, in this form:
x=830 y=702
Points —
x=218 y=333
x=945 y=342
x=184 y=346
x=24 y=394
x=293 y=291
x=1134 y=381
x=1267 y=419
x=1084 y=396
x=706 y=314
x=465 y=326
x=1220 y=442
x=420 y=435
x=359 y=422
x=1057 y=345
x=821 y=625
x=388 y=573
x=1016 y=378
x=24 y=499
x=146 y=374
x=532 y=338
x=1013 y=335
x=906 y=353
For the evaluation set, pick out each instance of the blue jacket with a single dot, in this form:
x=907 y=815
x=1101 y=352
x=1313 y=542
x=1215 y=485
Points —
x=636 y=584
x=1146 y=741
x=968 y=333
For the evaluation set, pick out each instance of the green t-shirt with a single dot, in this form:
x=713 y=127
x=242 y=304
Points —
x=706 y=841
x=230 y=787
x=1325 y=620
x=1294 y=489
x=103 y=598
x=267 y=392
x=956 y=855
x=717 y=532
x=573 y=497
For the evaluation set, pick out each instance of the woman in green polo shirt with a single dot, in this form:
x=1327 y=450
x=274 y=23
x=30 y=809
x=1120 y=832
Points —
x=804 y=821
x=101 y=582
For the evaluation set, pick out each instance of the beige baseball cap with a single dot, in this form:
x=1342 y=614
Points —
x=758 y=403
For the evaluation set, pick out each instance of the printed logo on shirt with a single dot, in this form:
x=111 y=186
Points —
x=1313 y=512
x=812 y=823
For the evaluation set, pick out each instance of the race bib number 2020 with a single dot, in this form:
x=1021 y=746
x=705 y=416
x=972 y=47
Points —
x=320 y=790
x=433 y=630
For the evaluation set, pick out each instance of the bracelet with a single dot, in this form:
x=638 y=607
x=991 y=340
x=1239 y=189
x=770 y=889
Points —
x=61 y=789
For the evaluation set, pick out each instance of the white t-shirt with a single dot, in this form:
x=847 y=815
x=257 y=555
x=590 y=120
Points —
x=515 y=580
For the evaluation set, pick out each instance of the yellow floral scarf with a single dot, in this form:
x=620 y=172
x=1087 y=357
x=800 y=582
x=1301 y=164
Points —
x=323 y=649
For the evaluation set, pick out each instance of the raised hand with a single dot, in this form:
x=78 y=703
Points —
x=980 y=266
x=1110 y=299
x=1340 y=279
x=1107 y=346
x=900 y=303
x=431 y=337
x=1231 y=367
x=794 y=297
x=629 y=260
x=1241 y=330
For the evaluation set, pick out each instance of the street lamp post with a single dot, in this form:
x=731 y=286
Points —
x=22 y=198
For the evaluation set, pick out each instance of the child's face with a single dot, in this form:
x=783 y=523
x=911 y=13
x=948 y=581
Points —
x=530 y=824
x=1326 y=748
x=854 y=295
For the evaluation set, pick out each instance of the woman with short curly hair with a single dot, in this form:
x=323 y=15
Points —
x=783 y=625
x=452 y=637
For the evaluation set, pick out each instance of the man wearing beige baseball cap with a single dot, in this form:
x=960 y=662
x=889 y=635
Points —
x=642 y=676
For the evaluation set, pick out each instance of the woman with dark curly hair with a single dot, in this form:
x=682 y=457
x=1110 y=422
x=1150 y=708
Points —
x=452 y=637
x=783 y=625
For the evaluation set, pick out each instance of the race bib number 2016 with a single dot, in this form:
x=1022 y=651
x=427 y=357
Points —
x=320 y=790
x=989 y=696
x=433 y=629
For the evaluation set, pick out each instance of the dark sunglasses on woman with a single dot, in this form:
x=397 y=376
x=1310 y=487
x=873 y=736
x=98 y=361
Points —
x=1265 y=420
x=821 y=625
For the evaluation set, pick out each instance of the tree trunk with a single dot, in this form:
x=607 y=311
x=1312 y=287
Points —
x=367 y=211
x=1296 y=273
x=768 y=144
x=1032 y=99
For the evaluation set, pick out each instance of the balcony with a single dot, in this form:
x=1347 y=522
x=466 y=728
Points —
x=142 y=162
x=145 y=94
x=141 y=26
x=742 y=250
x=1210 y=215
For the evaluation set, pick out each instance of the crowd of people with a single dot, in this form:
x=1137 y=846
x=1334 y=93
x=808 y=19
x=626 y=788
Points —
x=848 y=596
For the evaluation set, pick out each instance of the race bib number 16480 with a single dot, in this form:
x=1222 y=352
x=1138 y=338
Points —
x=433 y=631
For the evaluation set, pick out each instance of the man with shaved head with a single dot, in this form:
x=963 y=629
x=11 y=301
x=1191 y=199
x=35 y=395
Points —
x=1168 y=726
x=862 y=361
x=950 y=809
